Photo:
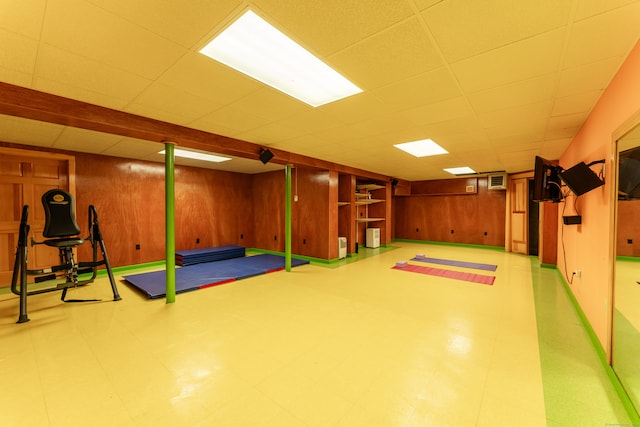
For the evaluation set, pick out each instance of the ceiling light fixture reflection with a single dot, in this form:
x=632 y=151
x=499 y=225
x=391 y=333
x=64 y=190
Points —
x=422 y=148
x=254 y=47
x=196 y=155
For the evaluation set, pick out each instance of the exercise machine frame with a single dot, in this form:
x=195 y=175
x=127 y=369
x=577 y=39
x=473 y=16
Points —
x=68 y=268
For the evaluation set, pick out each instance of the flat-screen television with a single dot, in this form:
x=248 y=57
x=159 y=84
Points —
x=581 y=179
x=546 y=181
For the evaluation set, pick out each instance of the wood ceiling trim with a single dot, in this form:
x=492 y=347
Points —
x=31 y=104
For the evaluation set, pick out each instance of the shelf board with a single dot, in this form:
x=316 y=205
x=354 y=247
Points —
x=369 y=219
x=369 y=187
x=343 y=203
x=368 y=201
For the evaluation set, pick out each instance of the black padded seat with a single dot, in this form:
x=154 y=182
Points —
x=64 y=243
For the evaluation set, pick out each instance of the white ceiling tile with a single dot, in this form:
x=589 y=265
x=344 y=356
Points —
x=588 y=8
x=592 y=76
x=18 y=53
x=86 y=141
x=568 y=121
x=311 y=121
x=464 y=28
x=425 y=88
x=325 y=27
x=561 y=133
x=209 y=79
x=134 y=148
x=424 y=4
x=393 y=122
x=576 y=103
x=553 y=149
x=411 y=53
x=514 y=95
x=275 y=134
x=270 y=104
x=516 y=116
x=23 y=17
x=454 y=108
x=90 y=76
x=229 y=121
x=523 y=60
x=603 y=36
x=357 y=108
x=31 y=132
x=184 y=22
x=182 y=106
x=107 y=38
x=14 y=77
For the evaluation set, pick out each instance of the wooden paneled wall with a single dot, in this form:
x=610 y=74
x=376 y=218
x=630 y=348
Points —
x=268 y=210
x=475 y=218
x=628 y=234
x=212 y=207
x=313 y=233
x=313 y=230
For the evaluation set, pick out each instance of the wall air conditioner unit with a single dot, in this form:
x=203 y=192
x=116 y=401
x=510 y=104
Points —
x=497 y=181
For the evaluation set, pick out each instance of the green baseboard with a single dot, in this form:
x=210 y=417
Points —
x=463 y=245
x=602 y=355
x=305 y=258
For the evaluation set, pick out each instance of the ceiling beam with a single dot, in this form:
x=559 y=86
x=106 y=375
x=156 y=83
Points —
x=31 y=104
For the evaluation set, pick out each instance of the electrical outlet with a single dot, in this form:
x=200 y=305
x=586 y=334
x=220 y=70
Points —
x=578 y=273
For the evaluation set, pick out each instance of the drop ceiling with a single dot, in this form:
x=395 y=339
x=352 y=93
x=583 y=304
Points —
x=494 y=82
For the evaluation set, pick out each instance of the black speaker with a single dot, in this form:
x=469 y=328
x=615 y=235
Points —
x=265 y=155
x=580 y=179
x=572 y=219
x=394 y=182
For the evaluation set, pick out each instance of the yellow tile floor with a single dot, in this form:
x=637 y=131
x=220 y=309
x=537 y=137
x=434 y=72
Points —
x=357 y=345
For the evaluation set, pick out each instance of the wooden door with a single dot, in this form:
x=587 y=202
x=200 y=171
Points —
x=24 y=177
x=519 y=192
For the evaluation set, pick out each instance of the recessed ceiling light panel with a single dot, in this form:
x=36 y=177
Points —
x=196 y=155
x=422 y=148
x=254 y=47
x=460 y=171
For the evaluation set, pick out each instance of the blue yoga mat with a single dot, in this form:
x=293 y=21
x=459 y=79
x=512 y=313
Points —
x=198 y=276
x=478 y=266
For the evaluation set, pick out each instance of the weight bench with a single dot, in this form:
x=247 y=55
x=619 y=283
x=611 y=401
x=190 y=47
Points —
x=61 y=231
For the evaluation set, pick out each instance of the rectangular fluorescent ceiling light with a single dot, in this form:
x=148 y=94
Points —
x=460 y=171
x=254 y=47
x=422 y=148
x=196 y=155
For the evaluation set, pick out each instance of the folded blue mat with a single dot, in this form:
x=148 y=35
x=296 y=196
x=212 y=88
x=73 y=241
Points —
x=201 y=255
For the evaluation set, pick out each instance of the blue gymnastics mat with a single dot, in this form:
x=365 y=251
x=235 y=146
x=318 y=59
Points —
x=204 y=275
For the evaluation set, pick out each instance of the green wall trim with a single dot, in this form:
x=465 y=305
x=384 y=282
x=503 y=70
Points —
x=602 y=355
x=127 y=268
x=464 y=245
x=306 y=258
x=628 y=258
x=551 y=266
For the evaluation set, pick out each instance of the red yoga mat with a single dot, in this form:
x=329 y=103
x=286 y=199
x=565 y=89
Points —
x=451 y=274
